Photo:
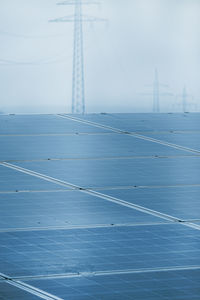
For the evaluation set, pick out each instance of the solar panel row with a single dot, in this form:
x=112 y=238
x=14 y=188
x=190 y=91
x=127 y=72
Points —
x=115 y=233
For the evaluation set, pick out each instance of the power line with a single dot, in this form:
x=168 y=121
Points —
x=4 y=62
x=43 y=61
x=26 y=36
x=37 y=62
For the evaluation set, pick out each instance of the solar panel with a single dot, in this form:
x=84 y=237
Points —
x=10 y=292
x=13 y=181
x=80 y=146
x=181 y=202
x=93 y=212
x=186 y=139
x=41 y=124
x=121 y=172
x=64 y=208
x=147 y=122
x=151 y=285
x=98 y=249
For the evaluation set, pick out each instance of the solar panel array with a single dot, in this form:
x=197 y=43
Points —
x=100 y=206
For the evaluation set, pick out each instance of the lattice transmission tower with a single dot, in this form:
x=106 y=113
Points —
x=78 y=82
x=156 y=94
x=184 y=99
x=187 y=101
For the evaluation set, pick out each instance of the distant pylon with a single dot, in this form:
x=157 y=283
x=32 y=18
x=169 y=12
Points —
x=184 y=98
x=156 y=94
x=185 y=103
x=78 y=86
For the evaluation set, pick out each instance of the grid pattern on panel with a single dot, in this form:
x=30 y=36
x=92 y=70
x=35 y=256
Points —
x=154 y=285
x=98 y=249
x=100 y=206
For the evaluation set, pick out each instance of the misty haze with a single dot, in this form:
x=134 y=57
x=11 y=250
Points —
x=122 y=56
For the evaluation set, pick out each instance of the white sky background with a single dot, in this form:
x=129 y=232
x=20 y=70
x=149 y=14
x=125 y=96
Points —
x=119 y=58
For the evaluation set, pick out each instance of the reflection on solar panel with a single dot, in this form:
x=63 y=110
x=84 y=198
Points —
x=101 y=206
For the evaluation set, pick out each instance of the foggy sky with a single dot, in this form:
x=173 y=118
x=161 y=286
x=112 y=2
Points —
x=120 y=57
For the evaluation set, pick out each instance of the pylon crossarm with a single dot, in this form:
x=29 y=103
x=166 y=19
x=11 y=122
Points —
x=83 y=18
x=64 y=19
x=164 y=85
x=150 y=94
x=160 y=84
x=166 y=94
x=73 y=2
x=88 y=18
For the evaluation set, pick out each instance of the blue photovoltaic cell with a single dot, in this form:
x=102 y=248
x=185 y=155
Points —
x=49 y=230
x=146 y=122
x=180 y=202
x=190 y=140
x=11 y=180
x=98 y=249
x=80 y=146
x=122 y=172
x=9 y=292
x=63 y=209
x=42 y=124
x=176 y=285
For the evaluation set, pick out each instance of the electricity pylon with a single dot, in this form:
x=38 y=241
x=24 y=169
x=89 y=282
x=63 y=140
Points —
x=156 y=92
x=184 y=98
x=78 y=85
x=185 y=104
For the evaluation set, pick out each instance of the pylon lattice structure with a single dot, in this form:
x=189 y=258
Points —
x=78 y=86
x=78 y=93
x=185 y=103
x=156 y=94
x=184 y=99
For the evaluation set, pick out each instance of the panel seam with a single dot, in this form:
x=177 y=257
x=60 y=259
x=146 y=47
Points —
x=102 y=196
x=130 y=133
